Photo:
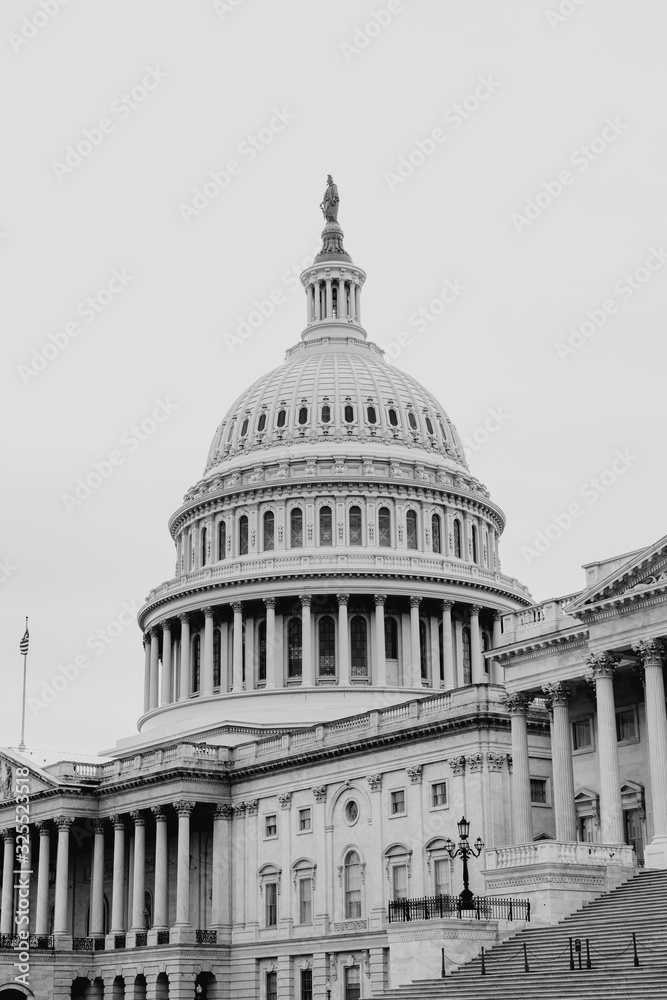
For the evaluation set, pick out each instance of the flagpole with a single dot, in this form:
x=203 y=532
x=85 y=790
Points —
x=25 y=672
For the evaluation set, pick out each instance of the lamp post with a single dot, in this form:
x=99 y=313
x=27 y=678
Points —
x=465 y=850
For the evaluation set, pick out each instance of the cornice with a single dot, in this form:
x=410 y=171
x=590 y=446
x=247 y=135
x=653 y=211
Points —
x=532 y=649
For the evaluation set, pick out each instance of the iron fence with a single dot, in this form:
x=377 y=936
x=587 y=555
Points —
x=436 y=907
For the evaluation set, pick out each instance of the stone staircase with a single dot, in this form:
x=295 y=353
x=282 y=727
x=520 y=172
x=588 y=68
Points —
x=639 y=906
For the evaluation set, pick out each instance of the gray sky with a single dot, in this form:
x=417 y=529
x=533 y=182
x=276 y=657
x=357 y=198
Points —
x=507 y=145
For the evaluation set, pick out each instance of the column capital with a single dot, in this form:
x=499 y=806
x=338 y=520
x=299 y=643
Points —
x=237 y=607
x=252 y=806
x=447 y=605
x=146 y=639
x=208 y=611
x=320 y=793
x=556 y=694
x=342 y=598
x=166 y=625
x=415 y=774
x=183 y=617
x=270 y=602
x=43 y=827
x=138 y=818
x=238 y=810
x=118 y=822
x=306 y=600
x=183 y=807
x=602 y=664
x=153 y=631
x=375 y=781
x=651 y=651
x=159 y=814
x=380 y=600
x=7 y=834
x=415 y=601
x=98 y=826
x=285 y=800
x=475 y=609
x=517 y=703
x=64 y=822
x=497 y=615
x=222 y=811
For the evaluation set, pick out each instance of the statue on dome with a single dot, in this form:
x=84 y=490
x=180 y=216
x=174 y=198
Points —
x=330 y=201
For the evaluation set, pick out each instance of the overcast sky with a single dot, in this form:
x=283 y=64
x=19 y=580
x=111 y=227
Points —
x=514 y=147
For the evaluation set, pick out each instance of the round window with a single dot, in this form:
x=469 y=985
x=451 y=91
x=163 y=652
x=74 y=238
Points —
x=351 y=811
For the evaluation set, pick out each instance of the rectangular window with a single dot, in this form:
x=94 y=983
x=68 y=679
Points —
x=352 y=982
x=441 y=876
x=271 y=825
x=272 y=986
x=582 y=734
x=399 y=881
x=306 y=984
x=439 y=794
x=305 y=820
x=538 y=791
x=398 y=802
x=271 y=904
x=305 y=901
x=626 y=725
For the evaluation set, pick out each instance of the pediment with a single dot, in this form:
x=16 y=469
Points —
x=645 y=572
x=37 y=780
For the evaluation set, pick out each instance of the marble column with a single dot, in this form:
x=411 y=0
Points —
x=155 y=666
x=165 y=693
x=270 y=604
x=183 y=809
x=139 y=872
x=522 y=812
x=147 y=672
x=652 y=654
x=380 y=651
x=496 y=673
x=561 y=756
x=185 y=657
x=60 y=917
x=118 y=890
x=160 y=908
x=415 y=645
x=479 y=675
x=42 y=914
x=237 y=648
x=308 y=674
x=97 y=883
x=357 y=302
x=219 y=871
x=611 y=809
x=7 y=910
x=343 y=643
x=207 y=672
x=342 y=311
x=318 y=300
x=329 y=304
x=448 y=646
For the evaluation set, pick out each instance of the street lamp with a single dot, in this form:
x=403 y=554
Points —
x=464 y=850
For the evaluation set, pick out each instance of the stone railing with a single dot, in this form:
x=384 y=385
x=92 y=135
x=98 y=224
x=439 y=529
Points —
x=558 y=852
x=539 y=619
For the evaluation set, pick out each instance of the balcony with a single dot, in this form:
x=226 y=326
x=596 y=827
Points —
x=448 y=907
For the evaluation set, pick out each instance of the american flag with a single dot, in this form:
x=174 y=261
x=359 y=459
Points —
x=24 y=641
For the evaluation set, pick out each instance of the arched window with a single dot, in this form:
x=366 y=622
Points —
x=326 y=413
x=423 y=659
x=269 y=530
x=358 y=647
x=261 y=423
x=429 y=426
x=372 y=415
x=303 y=415
x=355 y=526
x=261 y=659
x=222 y=540
x=327 y=647
x=384 y=527
x=243 y=536
x=352 y=886
x=467 y=668
x=393 y=417
x=294 y=648
x=412 y=420
x=296 y=528
x=411 y=529
x=457 y=538
x=244 y=428
x=203 y=545
x=216 y=657
x=196 y=664
x=436 y=533
x=473 y=536
x=348 y=414
x=282 y=416
x=326 y=526
x=390 y=639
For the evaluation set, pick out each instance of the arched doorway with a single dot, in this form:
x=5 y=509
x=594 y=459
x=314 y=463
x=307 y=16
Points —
x=9 y=993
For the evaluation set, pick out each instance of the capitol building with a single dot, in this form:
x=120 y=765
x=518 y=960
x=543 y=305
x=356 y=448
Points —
x=337 y=672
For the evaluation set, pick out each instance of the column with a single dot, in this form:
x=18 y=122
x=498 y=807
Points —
x=357 y=301
x=219 y=873
x=380 y=653
x=496 y=672
x=7 y=911
x=318 y=300
x=147 y=672
x=652 y=652
x=342 y=311
x=415 y=648
x=207 y=673
x=270 y=604
x=476 y=658
x=237 y=648
x=165 y=694
x=139 y=872
x=117 y=893
x=343 y=644
x=154 y=668
x=42 y=914
x=97 y=883
x=329 y=305
x=62 y=875
x=183 y=809
x=561 y=755
x=522 y=832
x=448 y=646
x=185 y=657
x=611 y=811
x=308 y=675
x=160 y=908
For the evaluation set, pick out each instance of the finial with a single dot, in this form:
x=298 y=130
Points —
x=330 y=202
